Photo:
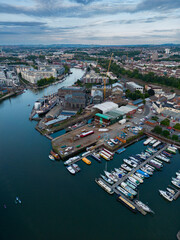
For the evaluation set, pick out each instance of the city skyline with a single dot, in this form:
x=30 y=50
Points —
x=89 y=22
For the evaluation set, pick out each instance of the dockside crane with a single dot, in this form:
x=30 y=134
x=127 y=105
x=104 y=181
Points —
x=105 y=78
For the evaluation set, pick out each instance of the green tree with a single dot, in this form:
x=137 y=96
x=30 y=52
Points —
x=157 y=129
x=165 y=122
x=175 y=137
x=165 y=133
x=177 y=126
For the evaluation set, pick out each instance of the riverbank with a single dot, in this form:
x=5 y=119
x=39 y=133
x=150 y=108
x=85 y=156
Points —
x=27 y=172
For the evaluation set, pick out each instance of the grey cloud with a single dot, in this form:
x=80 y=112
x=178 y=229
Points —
x=27 y=24
x=158 y=5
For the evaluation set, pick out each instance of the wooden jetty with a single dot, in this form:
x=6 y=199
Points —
x=138 y=167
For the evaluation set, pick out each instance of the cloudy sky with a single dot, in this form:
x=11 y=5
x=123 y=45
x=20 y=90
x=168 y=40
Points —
x=89 y=21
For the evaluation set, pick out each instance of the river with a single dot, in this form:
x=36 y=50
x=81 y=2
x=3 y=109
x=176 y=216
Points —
x=57 y=205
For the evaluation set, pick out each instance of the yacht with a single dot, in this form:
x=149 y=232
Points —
x=166 y=195
x=143 y=206
x=126 y=167
x=170 y=190
x=71 y=170
x=175 y=183
x=108 y=180
x=76 y=167
x=112 y=177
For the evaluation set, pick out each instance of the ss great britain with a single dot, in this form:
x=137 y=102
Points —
x=45 y=104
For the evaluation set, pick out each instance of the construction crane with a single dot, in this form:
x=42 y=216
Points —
x=104 y=79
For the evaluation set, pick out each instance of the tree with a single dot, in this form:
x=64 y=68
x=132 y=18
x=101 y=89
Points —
x=151 y=92
x=165 y=133
x=157 y=130
x=165 y=122
x=175 y=137
x=177 y=126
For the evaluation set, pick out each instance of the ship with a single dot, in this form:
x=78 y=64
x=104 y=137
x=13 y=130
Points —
x=44 y=105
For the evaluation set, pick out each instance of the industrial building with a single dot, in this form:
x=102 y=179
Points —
x=93 y=77
x=114 y=114
x=69 y=90
x=105 y=107
x=134 y=87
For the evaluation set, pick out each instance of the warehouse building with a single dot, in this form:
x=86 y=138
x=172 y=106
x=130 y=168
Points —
x=105 y=107
x=134 y=87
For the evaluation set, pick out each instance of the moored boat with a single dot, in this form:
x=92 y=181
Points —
x=76 y=167
x=96 y=157
x=51 y=158
x=166 y=195
x=170 y=190
x=143 y=206
x=177 y=184
x=104 y=186
x=55 y=155
x=123 y=191
x=108 y=180
x=127 y=188
x=125 y=167
x=87 y=161
x=71 y=170
x=112 y=177
x=127 y=203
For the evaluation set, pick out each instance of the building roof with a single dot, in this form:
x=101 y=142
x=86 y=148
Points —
x=126 y=109
x=106 y=106
x=138 y=101
x=103 y=116
x=133 y=84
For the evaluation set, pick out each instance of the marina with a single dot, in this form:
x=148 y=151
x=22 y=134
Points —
x=36 y=177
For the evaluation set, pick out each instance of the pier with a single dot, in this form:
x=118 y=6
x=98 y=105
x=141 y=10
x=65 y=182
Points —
x=137 y=168
x=114 y=186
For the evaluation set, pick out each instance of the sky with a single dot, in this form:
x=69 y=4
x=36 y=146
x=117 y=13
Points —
x=104 y=22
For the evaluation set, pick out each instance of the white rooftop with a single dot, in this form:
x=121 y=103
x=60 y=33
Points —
x=106 y=106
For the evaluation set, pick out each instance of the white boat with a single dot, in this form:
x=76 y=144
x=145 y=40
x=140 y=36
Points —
x=170 y=190
x=76 y=167
x=108 y=180
x=137 y=178
x=175 y=183
x=178 y=173
x=176 y=179
x=71 y=170
x=127 y=188
x=139 y=175
x=109 y=175
x=104 y=186
x=133 y=180
x=120 y=171
x=156 y=144
x=166 y=195
x=163 y=158
x=143 y=206
x=126 y=167
x=72 y=159
x=148 y=141
x=86 y=153
x=153 y=141
x=51 y=158
x=146 y=170
x=130 y=163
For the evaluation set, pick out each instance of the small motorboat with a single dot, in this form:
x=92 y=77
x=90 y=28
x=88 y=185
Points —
x=71 y=170
x=51 y=158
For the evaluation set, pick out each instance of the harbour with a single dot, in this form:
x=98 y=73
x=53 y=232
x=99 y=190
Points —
x=43 y=184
